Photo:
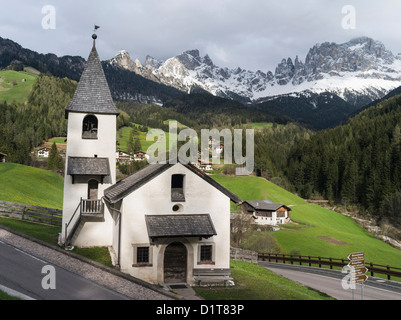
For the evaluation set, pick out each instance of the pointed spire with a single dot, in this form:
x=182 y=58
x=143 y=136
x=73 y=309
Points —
x=93 y=93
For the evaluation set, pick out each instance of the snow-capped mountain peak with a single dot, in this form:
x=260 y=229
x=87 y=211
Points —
x=353 y=70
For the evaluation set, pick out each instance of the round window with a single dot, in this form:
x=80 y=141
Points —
x=178 y=208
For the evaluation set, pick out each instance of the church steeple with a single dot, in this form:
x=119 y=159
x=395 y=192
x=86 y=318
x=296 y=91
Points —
x=93 y=93
x=90 y=165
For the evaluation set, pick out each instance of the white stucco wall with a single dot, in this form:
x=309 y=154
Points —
x=91 y=233
x=155 y=198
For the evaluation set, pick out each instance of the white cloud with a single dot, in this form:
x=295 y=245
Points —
x=253 y=34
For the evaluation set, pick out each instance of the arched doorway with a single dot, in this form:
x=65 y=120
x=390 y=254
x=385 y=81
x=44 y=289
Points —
x=175 y=263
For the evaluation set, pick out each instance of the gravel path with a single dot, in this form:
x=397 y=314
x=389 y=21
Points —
x=102 y=275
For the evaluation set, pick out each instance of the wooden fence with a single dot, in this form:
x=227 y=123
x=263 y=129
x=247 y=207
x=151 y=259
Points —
x=330 y=262
x=32 y=213
x=239 y=254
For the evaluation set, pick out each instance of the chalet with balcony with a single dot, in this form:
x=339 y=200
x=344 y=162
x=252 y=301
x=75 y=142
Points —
x=266 y=212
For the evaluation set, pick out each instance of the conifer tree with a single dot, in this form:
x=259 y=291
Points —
x=54 y=162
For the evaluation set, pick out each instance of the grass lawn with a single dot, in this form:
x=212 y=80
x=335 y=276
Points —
x=4 y=296
x=46 y=233
x=123 y=138
x=253 y=282
x=18 y=92
x=58 y=140
x=330 y=234
x=28 y=185
x=49 y=234
x=261 y=125
x=319 y=232
x=257 y=188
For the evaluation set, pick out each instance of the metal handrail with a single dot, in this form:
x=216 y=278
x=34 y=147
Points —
x=69 y=222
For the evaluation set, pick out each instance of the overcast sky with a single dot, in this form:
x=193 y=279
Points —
x=251 y=34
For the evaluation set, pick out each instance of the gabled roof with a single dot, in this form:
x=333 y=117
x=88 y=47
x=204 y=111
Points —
x=93 y=93
x=126 y=186
x=265 y=205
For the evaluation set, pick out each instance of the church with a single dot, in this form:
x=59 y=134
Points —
x=167 y=223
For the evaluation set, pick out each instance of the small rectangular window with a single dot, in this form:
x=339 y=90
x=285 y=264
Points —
x=206 y=253
x=142 y=255
x=177 y=188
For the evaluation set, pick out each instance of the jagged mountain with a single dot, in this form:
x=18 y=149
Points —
x=358 y=71
x=124 y=85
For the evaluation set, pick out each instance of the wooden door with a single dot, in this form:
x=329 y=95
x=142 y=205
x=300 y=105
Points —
x=93 y=190
x=175 y=263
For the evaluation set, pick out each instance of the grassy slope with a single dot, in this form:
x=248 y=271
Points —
x=18 y=93
x=22 y=184
x=123 y=140
x=256 y=283
x=314 y=222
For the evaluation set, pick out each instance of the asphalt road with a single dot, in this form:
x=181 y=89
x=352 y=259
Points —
x=329 y=282
x=24 y=273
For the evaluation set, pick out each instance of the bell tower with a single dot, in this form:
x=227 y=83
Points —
x=90 y=158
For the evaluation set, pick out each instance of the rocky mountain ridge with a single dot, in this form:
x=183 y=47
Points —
x=358 y=71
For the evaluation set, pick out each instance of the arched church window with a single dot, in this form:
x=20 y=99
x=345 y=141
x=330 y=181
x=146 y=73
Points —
x=89 y=127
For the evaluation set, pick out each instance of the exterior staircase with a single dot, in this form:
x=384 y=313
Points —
x=88 y=209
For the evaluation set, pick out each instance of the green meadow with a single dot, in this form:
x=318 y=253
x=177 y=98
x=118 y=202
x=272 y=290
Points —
x=316 y=231
x=28 y=185
x=123 y=138
x=163 y=142
x=12 y=87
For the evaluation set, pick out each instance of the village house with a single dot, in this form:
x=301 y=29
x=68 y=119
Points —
x=140 y=156
x=266 y=212
x=123 y=157
x=167 y=223
x=44 y=152
x=3 y=157
x=204 y=165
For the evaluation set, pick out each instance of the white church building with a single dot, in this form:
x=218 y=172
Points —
x=167 y=223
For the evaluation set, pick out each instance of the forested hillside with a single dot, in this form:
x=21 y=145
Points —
x=214 y=111
x=357 y=163
x=25 y=126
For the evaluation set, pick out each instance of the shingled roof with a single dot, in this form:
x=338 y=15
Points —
x=124 y=187
x=93 y=93
x=88 y=166
x=265 y=205
x=185 y=225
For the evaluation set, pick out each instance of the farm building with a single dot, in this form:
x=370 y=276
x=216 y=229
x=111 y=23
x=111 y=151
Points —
x=266 y=212
x=167 y=223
